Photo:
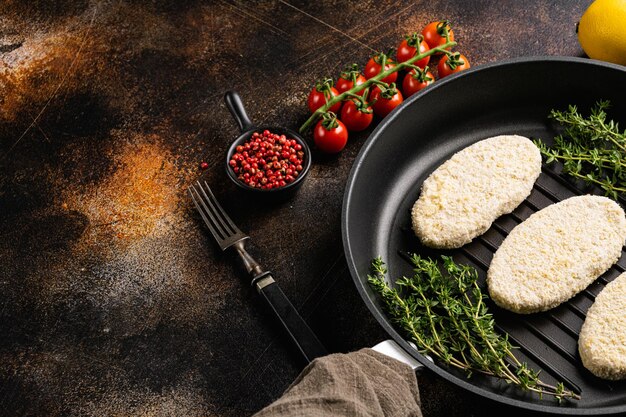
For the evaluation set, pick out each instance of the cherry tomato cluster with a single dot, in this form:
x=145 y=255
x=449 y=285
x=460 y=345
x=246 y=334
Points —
x=356 y=112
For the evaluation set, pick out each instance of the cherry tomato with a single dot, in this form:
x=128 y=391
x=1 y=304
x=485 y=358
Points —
x=350 y=77
x=355 y=118
x=451 y=64
x=373 y=66
x=408 y=48
x=414 y=82
x=385 y=101
x=435 y=33
x=330 y=135
x=344 y=84
x=322 y=91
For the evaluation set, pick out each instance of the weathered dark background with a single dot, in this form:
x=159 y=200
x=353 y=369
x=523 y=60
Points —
x=113 y=299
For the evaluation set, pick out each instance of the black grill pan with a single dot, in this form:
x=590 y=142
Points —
x=512 y=97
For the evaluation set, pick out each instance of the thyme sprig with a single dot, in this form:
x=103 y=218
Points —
x=591 y=148
x=443 y=312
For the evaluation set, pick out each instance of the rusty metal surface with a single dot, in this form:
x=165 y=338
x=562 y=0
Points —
x=113 y=300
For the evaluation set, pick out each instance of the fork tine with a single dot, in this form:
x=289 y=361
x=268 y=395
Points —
x=218 y=235
x=226 y=216
x=212 y=211
x=218 y=210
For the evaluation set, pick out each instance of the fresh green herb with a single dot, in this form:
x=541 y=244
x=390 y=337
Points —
x=591 y=149
x=444 y=314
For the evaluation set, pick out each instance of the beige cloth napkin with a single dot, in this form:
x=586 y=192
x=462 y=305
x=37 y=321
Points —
x=362 y=383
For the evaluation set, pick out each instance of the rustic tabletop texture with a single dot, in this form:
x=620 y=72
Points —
x=114 y=300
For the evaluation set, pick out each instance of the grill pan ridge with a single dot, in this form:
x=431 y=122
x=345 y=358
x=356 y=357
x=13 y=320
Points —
x=376 y=218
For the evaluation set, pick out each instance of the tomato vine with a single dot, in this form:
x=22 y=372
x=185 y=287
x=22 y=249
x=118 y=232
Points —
x=374 y=80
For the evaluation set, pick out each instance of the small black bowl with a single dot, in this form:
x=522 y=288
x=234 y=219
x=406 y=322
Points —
x=247 y=128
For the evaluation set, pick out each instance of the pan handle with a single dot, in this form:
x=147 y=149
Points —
x=234 y=104
x=393 y=350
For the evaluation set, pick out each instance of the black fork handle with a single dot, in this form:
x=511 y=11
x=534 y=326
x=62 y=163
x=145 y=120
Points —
x=236 y=108
x=300 y=333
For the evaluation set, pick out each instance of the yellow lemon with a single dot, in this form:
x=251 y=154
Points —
x=602 y=31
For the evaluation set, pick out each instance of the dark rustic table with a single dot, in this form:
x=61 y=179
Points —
x=113 y=299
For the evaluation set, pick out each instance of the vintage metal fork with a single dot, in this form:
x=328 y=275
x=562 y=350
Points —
x=227 y=235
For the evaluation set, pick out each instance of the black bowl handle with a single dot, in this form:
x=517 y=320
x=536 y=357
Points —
x=234 y=104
